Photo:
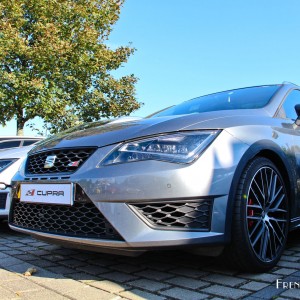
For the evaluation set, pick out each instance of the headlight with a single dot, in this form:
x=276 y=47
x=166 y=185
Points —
x=183 y=147
x=5 y=163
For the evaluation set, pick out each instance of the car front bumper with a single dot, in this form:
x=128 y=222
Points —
x=140 y=203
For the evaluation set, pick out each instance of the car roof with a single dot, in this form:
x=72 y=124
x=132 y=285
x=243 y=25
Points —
x=4 y=138
x=15 y=152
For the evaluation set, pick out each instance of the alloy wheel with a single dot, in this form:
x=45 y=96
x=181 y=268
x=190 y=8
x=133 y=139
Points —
x=266 y=214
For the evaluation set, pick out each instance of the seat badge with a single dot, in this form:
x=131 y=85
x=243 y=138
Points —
x=49 y=162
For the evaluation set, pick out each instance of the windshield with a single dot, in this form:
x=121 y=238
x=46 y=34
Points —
x=246 y=98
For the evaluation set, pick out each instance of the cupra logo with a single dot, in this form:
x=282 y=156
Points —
x=30 y=193
x=49 y=162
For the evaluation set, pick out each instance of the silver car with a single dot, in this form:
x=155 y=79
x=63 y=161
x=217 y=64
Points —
x=219 y=174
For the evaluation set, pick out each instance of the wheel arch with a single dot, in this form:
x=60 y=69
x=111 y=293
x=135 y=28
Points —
x=281 y=160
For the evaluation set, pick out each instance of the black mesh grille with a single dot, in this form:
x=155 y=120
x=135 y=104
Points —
x=80 y=220
x=186 y=215
x=3 y=197
x=66 y=161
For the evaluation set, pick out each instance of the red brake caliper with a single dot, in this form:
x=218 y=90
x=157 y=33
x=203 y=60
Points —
x=250 y=212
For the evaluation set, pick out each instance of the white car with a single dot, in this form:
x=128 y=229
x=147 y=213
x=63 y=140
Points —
x=7 y=142
x=10 y=161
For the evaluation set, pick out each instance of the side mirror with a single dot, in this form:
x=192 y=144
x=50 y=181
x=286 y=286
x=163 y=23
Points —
x=297 y=109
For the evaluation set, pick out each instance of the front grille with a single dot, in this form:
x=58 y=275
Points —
x=82 y=219
x=66 y=161
x=3 y=197
x=194 y=215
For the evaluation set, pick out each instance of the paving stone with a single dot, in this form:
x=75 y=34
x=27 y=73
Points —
x=118 y=276
x=15 y=245
x=288 y=252
x=140 y=295
x=187 y=282
x=284 y=271
x=57 y=283
x=159 y=266
x=54 y=257
x=42 y=294
x=288 y=264
x=292 y=293
x=81 y=256
x=227 y=292
x=221 y=270
x=20 y=267
x=7 y=295
x=224 y=279
x=37 y=243
x=6 y=275
x=3 y=256
x=27 y=248
x=94 y=270
x=262 y=277
x=9 y=261
x=193 y=273
x=39 y=252
x=254 y=286
x=19 y=285
x=12 y=252
x=109 y=286
x=61 y=270
x=86 y=292
x=26 y=257
x=179 y=293
x=289 y=258
x=127 y=268
x=269 y=292
x=50 y=247
x=42 y=263
x=65 y=251
x=73 y=263
x=295 y=248
x=104 y=262
x=151 y=274
x=3 y=248
x=296 y=274
x=28 y=240
x=83 y=277
x=149 y=285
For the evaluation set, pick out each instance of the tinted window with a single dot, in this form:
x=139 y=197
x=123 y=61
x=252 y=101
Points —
x=287 y=110
x=9 y=144
x=246 y=98
x=29 y=142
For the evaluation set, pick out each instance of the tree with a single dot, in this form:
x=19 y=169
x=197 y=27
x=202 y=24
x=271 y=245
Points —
x=54 y=63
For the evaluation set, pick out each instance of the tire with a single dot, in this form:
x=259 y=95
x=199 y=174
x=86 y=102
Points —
x=260 y=218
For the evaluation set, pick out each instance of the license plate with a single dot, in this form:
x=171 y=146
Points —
x=61 y=193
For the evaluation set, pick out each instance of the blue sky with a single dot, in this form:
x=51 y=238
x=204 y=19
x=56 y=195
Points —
x=188 y=48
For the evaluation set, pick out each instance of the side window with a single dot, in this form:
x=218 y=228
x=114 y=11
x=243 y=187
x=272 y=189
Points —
x=9 y=144
x=29 y=142
x=288 y=108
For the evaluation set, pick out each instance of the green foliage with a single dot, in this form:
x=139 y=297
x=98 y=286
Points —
x=54 y=62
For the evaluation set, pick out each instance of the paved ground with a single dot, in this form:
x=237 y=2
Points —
x=72 y=274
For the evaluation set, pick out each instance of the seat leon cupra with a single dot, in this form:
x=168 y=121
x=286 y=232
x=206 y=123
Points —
x=218 y=174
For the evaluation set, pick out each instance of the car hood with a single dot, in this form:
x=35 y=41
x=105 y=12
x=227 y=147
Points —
x=103 y=133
